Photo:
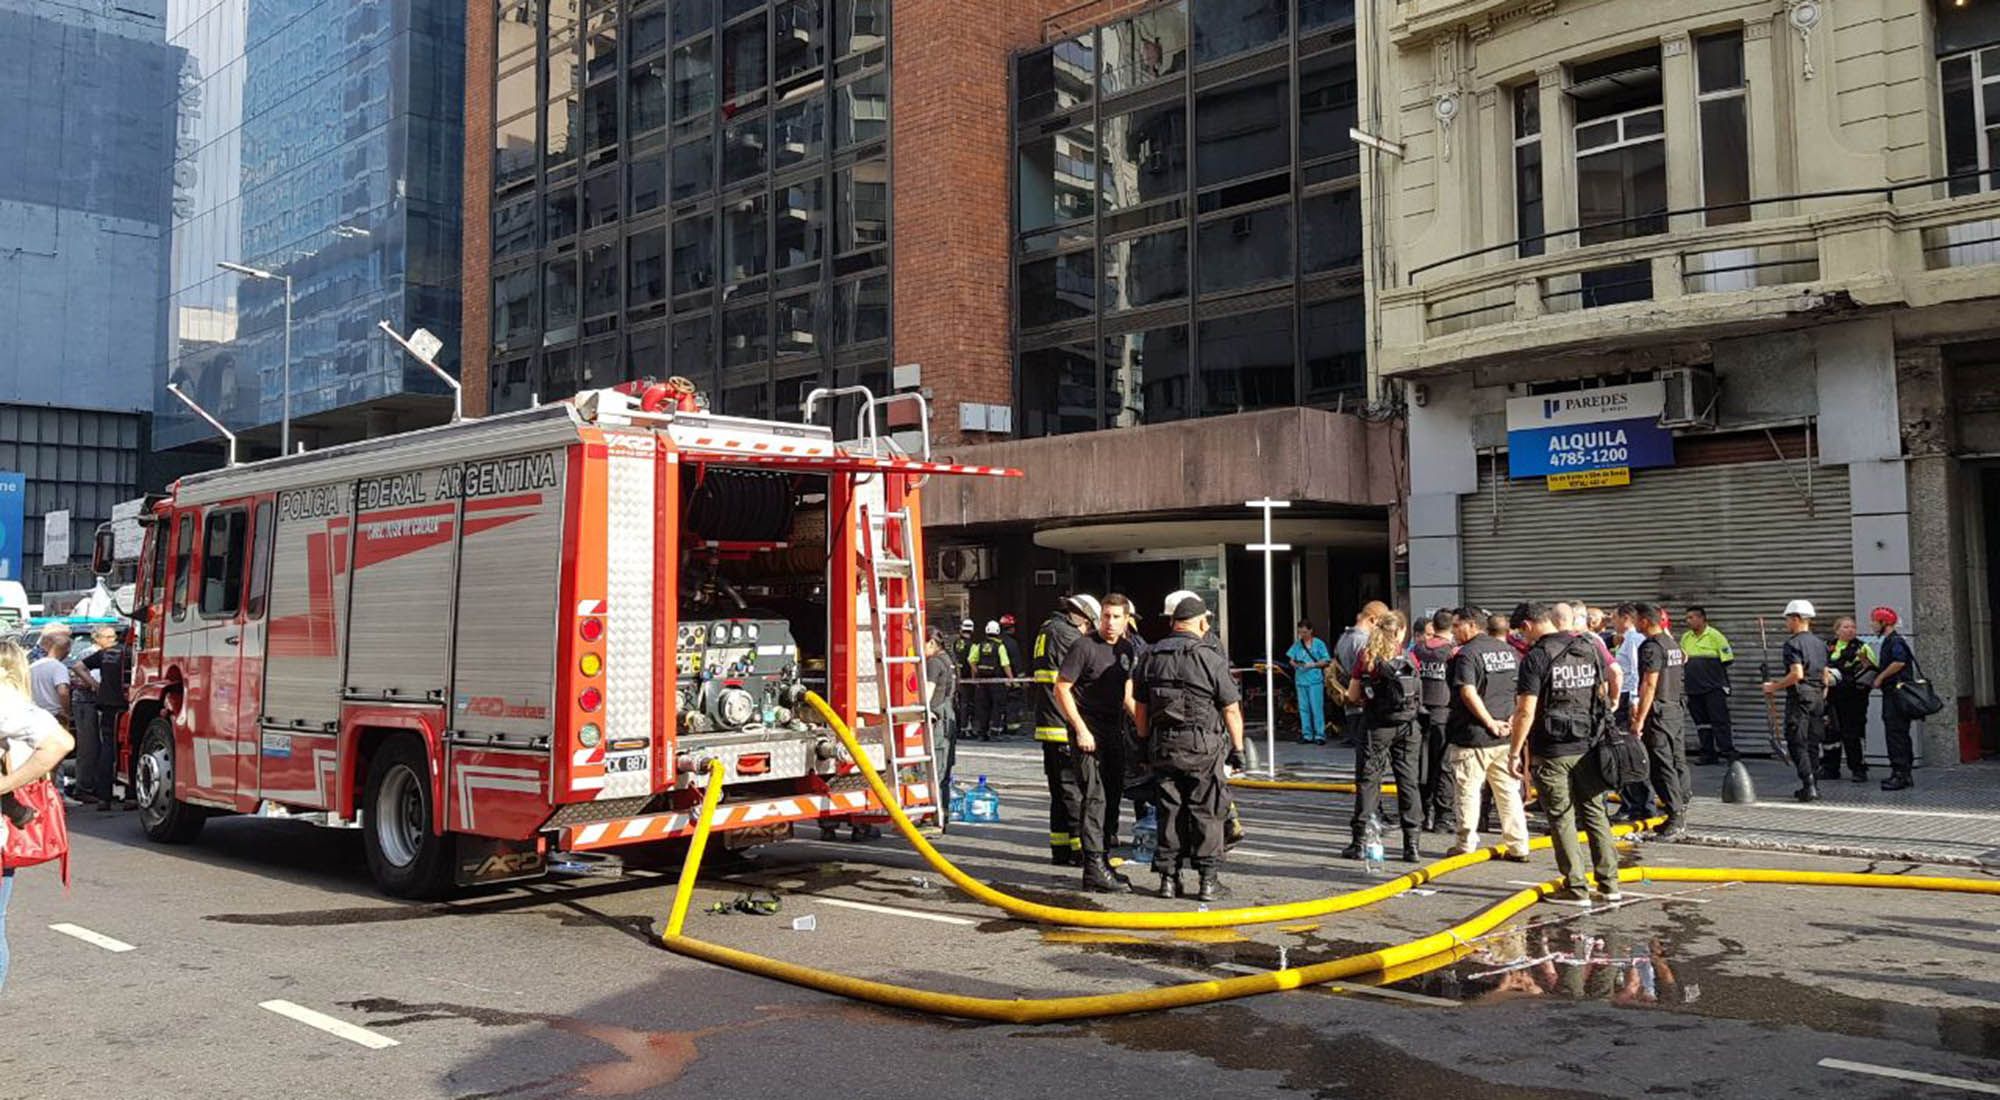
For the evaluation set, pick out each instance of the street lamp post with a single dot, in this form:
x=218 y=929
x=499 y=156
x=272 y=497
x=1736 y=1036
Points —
x=204 y=414
x=285 y=415
x=1269 y=547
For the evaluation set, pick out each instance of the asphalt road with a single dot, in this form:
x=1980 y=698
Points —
x=558 y=990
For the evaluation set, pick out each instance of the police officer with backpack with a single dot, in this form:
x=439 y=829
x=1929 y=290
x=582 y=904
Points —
x=1184 y=702
x=1559 y=711
x=1433 y=653
x=1387 y=689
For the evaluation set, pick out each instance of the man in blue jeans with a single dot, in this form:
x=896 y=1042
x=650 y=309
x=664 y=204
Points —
x=1309 y=659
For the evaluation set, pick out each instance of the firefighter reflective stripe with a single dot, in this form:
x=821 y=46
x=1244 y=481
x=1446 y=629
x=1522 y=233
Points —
x=1058 y=735
x=1064 y=840
x=1045 y=676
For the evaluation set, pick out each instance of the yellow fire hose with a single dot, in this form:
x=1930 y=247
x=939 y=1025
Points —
x=1157 y=921
x=1300 y=785
x=1400 y=958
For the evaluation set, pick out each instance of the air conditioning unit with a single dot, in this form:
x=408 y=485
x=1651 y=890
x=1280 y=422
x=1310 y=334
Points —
x=1691 y=393
x=962 y=564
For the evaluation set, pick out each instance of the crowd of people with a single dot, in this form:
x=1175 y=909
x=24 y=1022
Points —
x=1473 y=715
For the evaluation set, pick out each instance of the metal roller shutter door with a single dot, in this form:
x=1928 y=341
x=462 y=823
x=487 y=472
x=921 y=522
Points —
x=1738 y=539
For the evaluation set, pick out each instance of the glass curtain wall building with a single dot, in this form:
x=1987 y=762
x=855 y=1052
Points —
x=320 y=139
x=692 y=187
x=1187 y=216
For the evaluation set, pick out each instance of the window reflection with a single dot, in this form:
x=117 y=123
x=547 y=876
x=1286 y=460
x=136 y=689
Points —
x=1058 y=390
x=1246 y=361
x=1146 y=376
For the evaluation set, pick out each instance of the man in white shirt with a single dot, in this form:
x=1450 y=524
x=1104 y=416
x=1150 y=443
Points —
x=48 y=678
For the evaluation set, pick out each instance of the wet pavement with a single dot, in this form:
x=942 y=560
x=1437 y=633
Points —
x=560 y=990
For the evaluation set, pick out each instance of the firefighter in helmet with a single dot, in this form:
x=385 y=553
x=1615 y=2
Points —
x=1017 y=659
x=991 y=666
x=1065 y=625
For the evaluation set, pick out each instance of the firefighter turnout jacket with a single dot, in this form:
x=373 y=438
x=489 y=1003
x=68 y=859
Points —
x=1052 y=643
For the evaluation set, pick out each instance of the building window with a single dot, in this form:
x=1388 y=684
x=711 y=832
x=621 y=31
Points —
x=1137 y=51
x=514 y=308
x=514 y=144
x=1146 y=271
x=1528 y=223
x=1055 y=78
x=1336 y=350
x=1225 y=28
x=561 y=299
x=1970 y=86
x=1242 y=129
x=1240 y=251
x=1143 y=157
x=1621 y=148
x=1057 y=289
x=1246 y=361
x=1146 y=376
x=1057 y=180
x=1725 y=130
x=1058 y=390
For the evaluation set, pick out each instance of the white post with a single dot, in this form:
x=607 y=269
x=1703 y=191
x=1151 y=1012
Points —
x=1269 y=548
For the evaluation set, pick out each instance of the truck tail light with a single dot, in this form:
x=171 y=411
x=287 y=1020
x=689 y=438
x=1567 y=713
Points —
x=590 y=699
x=590 y=664
x=591 y=630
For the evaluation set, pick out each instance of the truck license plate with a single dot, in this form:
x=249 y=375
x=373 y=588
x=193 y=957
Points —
x=625 y=763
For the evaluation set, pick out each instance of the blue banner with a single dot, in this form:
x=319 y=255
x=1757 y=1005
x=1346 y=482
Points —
x=13 y=498
x=1607 y=445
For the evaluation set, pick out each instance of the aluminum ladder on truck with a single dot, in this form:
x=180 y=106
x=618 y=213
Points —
x=896 y=626
x=895 y=605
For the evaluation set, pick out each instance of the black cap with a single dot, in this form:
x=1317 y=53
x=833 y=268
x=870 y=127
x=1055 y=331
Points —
x=1190 y=607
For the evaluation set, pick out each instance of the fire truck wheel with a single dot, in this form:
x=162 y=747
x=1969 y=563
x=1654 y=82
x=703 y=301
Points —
x=406 y=858
x=165 y=818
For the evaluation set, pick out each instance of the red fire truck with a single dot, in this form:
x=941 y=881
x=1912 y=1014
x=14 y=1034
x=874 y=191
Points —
x=504 y=639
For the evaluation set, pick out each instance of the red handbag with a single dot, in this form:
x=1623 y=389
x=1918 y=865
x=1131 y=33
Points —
x=43 y=839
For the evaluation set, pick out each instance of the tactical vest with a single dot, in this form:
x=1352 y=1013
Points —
x=1180 y=693
x=1570 y=705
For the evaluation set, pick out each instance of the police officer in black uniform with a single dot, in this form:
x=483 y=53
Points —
x=1559 y=709
x=1659 y=712
x=1387 y=687
x=1804 y=685
x=1065 y=625
x=1184 y=701
x=1092 y=691
x=1433 y=654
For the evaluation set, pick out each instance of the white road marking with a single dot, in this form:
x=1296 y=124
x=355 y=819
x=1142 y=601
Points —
x=96 y=939
x=341 y=1028
x=1394 y=995
x=1823 y=808
x=888 y=910
x=1364 y=990
x=1980 y=1087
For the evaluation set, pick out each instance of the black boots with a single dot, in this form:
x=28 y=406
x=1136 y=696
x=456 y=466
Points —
x=1098 y=879
x=1170 y=885
x=1211 y=886
x=1898 y=781
x=1411 y=852
x=1809 y=792
x=1062 y=855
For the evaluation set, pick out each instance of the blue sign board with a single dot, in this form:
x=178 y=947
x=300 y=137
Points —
x=1570 y=448
x=13 y=498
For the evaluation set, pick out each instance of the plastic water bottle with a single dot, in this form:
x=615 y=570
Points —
x=1371 y=851
x=982 y=804
x=955 y=807
x=1146 y=836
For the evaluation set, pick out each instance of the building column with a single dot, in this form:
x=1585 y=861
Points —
x=1677 y=92
x=1558 y=160
x=1443 y=467
x=1938 y=598
x=1760 y=71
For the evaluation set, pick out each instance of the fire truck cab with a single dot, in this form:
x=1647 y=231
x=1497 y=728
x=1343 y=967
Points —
x=501 y=639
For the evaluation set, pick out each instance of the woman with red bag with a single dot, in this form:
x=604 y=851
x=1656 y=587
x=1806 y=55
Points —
x=32 y=744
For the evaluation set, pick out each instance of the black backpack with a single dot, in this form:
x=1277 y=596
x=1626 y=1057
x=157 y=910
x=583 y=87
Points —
x=1394 y=691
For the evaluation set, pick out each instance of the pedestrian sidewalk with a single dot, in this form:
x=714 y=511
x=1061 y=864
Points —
x=1951 y=816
